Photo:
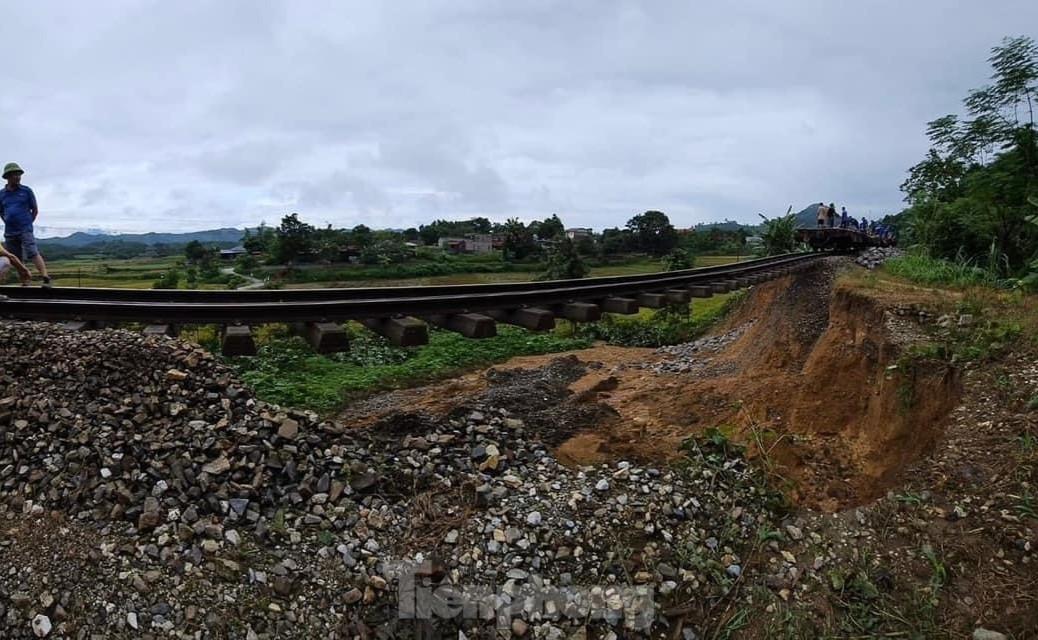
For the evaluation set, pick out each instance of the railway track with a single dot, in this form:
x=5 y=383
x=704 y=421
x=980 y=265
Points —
x=402 y=314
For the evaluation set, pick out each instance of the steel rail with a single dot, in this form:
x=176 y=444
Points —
x=419 y=301
x=362 y=293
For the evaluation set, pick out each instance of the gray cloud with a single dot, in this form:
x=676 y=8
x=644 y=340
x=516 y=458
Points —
x=155 y=115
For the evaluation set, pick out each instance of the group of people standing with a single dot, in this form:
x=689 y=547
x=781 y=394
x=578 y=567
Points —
x=18 y=211
x=829 y=218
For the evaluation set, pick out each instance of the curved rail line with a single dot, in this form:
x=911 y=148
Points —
x=468 y=309
x=366 y=293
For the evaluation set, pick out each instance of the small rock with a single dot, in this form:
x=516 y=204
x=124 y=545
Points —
x=41 y=626
x=218 y=466
x=353 y=596
x=980 y=633
x=289 y=429
x=283 y=586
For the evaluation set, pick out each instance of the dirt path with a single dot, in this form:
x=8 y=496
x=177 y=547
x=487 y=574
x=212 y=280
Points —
x=252 y=283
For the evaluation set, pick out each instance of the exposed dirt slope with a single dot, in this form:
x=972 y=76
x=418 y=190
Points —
x=809 y=374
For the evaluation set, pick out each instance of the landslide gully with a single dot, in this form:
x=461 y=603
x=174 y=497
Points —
x=814 y=383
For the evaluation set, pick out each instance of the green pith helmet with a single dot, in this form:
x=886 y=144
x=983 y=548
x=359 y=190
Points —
x=12 y=167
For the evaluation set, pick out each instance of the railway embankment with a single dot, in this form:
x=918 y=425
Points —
x=845 y=455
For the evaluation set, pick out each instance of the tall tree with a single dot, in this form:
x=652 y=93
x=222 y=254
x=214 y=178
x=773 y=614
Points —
x=518 y=241
x=551 y=228
x=968 y=197
x=654 y=232
x=294 y=240
x=195 y=251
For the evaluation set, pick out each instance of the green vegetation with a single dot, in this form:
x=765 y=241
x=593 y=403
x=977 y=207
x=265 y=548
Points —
x=448 y=265
x=779 y=234
x=969 y=198
x=564 y=262
x=678 y=259
x=918 y=266
x=661 y=327
x=288 y=372
x=168 y=280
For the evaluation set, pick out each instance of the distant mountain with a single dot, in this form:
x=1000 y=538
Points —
x=727 y=225
x=808 y=217
x=212 y=236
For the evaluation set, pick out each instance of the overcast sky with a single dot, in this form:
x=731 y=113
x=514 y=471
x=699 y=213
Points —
x=187 y=115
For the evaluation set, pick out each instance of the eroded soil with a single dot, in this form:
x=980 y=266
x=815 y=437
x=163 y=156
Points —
x=810 y=382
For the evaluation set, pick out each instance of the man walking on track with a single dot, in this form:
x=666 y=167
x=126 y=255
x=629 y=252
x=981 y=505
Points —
x=18 y=210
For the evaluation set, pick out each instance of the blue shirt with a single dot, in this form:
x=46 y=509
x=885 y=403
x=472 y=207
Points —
x=17 y=206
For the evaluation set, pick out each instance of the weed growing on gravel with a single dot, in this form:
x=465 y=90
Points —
x=909 y=498
x=1028 y=443
x=1026 y=506
x=739 y=620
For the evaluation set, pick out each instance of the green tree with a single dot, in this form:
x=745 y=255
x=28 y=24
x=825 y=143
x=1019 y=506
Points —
x=246 y=264
x=616 y=241
x=586 y=246
x=294 y=240
x=779 y=235
x=677 y=260
x=195 y=251
x=361 y=235
x=564 y=262
x=518 y=241
x=968 y=197
x=549 y=229
x=168 y=280
x=653 y=232
x=385 y=252
x=262 y=241
x=480 y=225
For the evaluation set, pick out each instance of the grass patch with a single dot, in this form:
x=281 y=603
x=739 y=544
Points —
x=288 y=372
x=920 y=268
x=656 y=328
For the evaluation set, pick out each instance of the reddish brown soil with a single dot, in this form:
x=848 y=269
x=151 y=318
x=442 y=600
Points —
x=807 y=384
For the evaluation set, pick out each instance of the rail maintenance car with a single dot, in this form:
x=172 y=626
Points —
x=840 y=240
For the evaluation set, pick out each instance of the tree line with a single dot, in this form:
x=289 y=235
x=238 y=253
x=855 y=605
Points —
x=972 y=198
x=651 y=232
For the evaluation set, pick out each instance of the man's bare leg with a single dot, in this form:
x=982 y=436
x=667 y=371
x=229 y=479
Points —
x=41 y=266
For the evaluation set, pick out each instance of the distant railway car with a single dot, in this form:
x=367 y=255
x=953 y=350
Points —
x=840 y=240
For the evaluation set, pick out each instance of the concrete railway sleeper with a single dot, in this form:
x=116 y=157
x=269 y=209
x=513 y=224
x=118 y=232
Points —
x=393 y=312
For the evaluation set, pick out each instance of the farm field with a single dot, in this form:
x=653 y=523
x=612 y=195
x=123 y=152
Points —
x=141 y=273
x=643 y=266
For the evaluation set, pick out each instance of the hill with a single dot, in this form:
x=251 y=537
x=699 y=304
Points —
x=211 y=236
x=808 y=216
